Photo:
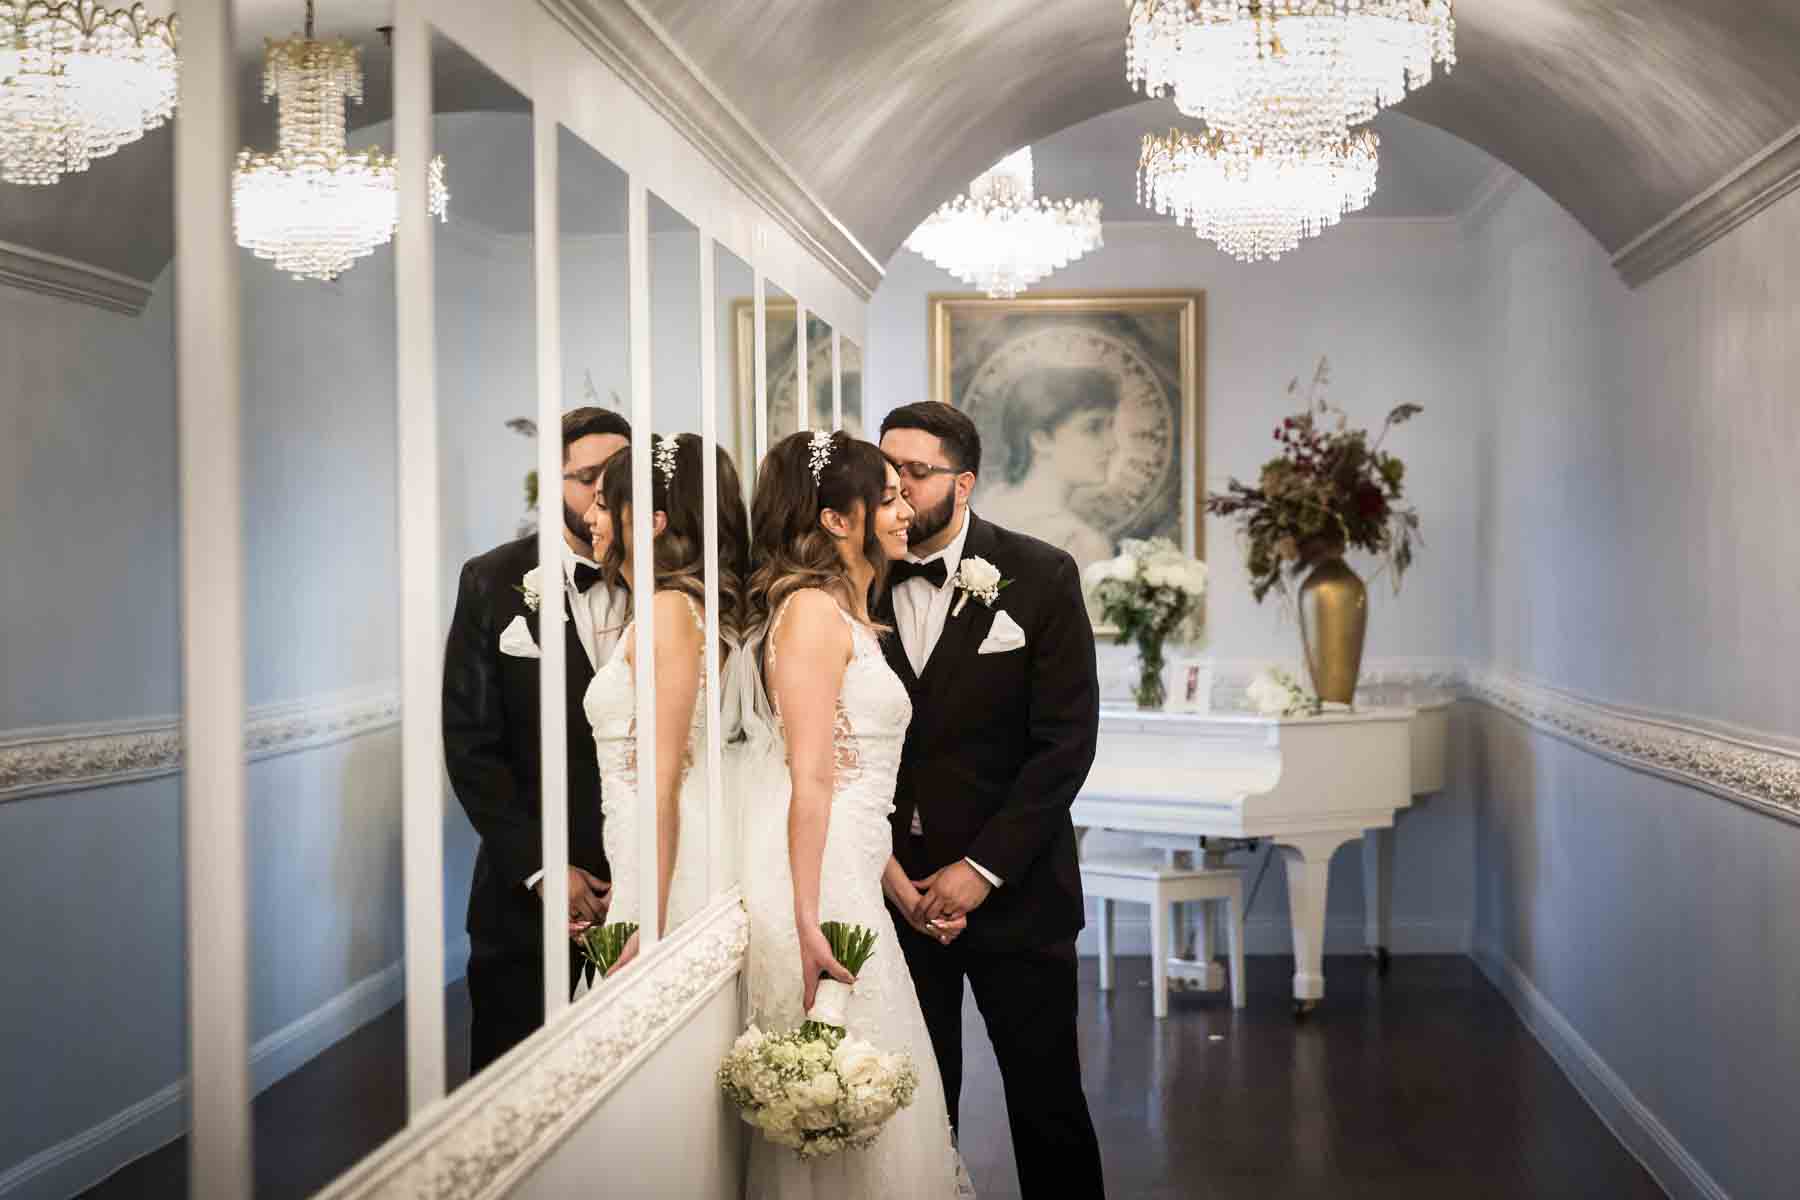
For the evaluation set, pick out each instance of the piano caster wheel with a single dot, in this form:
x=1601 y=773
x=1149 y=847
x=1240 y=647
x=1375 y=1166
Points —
x=1381 y=958
x=1303 y=1009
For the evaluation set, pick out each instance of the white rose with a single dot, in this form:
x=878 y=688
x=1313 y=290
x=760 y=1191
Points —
x=1195 y=584
x=978 y=574
x=1124 y=568
x=530 y=582
x=1267 y=694
x=1097 y=573
x=856 y=1062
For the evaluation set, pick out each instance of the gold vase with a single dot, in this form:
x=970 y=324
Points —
x=1334 y=616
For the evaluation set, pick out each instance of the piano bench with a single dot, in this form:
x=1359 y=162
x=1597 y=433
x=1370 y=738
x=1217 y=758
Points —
x=1150 y=879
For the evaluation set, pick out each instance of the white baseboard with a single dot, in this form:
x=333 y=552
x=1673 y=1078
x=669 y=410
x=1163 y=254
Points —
x=78 y=1163
x=1273 y=935
x=1630 y=1120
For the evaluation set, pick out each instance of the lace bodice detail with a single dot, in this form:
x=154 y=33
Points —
x=873 y=711
x=611 y=707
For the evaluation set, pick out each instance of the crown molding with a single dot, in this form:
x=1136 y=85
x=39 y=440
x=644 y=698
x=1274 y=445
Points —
x=629 y=41
x=70 y=758
x=68 y=279
x=1763 y=179
x=480 y=1141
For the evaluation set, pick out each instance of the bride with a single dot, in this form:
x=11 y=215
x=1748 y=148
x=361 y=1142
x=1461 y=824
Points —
x=827 y=517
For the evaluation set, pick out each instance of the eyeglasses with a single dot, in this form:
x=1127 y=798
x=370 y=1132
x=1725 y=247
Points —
x=919 y=472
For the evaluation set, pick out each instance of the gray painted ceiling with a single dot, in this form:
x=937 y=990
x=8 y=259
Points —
x=1622 y=110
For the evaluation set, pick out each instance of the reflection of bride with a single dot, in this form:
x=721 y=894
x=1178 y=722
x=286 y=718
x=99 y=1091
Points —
x=678 y=593
x=1058 y=425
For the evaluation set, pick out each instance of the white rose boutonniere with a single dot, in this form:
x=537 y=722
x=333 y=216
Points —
x=530 y=587
x=979 y=578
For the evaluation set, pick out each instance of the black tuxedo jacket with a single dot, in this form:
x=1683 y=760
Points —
x=1001 y=743
x=491 y=746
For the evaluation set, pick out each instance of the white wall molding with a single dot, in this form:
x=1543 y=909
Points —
x=1763 y=179
x=78 y=1163
x=487 y=1136
x=68 y=279
x=624 y=37
x=1742 y=766
x=1631 y=1121
x=64 y=758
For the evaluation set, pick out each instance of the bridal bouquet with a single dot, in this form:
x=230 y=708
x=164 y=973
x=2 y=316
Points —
x=1151 y=592
x=601 y=945
x=816 y=1089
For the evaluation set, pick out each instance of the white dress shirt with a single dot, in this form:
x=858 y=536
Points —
x=598 y=615
x=920 y=612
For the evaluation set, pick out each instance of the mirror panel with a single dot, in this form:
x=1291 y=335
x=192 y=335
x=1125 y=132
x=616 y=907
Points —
x=734 y=306
x=850 y=387
x=780 y=362
x=820 y=378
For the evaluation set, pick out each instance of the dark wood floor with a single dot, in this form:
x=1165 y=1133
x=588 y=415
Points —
x=1419 y=1084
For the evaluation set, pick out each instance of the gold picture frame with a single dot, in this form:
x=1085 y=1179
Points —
x=1005 y=361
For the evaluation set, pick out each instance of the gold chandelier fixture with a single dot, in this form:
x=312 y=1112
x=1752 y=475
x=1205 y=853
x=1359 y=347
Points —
x=314 y=206
x=78 y=81
x=1287 y=74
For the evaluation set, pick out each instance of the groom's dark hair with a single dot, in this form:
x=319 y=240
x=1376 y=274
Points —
x=962 y=441
x=578 y=423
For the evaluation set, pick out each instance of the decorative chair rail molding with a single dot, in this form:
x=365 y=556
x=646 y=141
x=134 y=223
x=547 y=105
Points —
x=629 y=41
x=481 y=1140
x=1739 y=767
x=67 y=279
x=1765 y=178
x=65 y=758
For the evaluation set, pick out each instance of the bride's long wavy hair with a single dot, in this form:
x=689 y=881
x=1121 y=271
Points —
x=679 y=554
x=789 y=546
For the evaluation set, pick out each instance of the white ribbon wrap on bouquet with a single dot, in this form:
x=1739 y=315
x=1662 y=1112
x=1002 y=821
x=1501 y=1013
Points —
x=831 y=1003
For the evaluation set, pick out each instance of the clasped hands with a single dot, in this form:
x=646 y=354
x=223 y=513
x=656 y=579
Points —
x=939 y=905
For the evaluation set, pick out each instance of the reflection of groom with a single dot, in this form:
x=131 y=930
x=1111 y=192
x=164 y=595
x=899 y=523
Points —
x=1006 y=715
x=491 y=744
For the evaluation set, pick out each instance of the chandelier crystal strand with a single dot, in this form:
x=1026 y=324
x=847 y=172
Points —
x=1254 y=204
x=1000 y=237
x=314 y=206
x=1287 y=74
x=78 y=81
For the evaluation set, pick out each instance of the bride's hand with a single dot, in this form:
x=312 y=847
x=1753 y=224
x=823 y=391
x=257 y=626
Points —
x=628 y=953
x=816 y=959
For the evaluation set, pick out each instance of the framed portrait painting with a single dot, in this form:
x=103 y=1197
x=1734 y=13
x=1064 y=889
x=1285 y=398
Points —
x=1090 y=411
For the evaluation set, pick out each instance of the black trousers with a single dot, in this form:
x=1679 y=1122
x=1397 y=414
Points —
x=1028 y=998
x=506 y=998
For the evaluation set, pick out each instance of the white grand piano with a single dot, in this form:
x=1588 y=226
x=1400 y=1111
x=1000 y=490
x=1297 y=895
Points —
x=1306 y=784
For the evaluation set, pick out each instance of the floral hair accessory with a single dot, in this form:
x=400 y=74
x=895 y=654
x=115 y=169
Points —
x=663 y=451
x=821 y=453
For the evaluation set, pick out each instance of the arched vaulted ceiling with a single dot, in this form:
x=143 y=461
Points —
x=1621 y=110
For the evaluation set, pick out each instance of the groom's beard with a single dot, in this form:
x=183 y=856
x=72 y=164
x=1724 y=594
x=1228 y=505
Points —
x=928 y=523
x=577 y=527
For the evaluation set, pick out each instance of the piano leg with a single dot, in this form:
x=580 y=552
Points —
x=1378 y=893
x=1308 y=859
x=1106 y=942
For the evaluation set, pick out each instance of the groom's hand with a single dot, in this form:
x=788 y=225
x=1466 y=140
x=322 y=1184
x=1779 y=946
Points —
x=955 y=891
x=588 y=897
x=906 y=897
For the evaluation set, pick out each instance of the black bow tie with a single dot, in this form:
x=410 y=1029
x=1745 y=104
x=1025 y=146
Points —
x=586 y=576
x=933 y=572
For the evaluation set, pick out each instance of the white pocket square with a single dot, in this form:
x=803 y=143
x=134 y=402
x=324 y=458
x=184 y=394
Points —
x=515 y=640
x=1004 y=635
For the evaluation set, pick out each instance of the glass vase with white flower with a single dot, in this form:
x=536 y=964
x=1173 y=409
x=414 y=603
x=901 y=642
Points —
x=1152 y=593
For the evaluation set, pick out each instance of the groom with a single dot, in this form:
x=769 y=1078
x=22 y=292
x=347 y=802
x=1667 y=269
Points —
x=1006 y=714
x=491 y=743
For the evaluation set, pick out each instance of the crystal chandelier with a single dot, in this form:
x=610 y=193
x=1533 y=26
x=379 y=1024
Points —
x=314 y=207
x=1287 y=74
x=78 y=81
x=1254 y=203
x=1000 y=238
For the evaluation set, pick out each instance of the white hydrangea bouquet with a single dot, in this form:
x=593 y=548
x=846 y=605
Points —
x=1151 y=592
x=816 y=1089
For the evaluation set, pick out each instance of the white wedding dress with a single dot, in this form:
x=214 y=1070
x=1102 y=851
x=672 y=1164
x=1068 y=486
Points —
x=913 y=1158
x=611 y=707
